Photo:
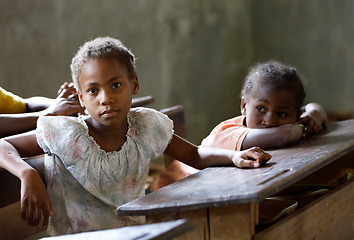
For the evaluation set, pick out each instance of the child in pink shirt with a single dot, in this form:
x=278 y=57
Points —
x=272 y=117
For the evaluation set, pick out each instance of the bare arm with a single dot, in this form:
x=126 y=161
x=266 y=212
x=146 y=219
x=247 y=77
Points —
x=34 y=197
x=65 y=104
x=36 y=104
x=200 y=158
x=275 y=137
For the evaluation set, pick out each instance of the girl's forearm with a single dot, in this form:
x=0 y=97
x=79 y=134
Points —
x=274 y=137
x=208 y=156
x=11 y=160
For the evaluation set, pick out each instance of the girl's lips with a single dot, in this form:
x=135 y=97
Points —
x=108 y=113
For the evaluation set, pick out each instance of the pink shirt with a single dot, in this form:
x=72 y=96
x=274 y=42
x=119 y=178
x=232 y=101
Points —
x=228 y=134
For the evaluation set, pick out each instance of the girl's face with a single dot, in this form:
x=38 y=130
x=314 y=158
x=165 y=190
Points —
x=106 y=91
x=269 y=107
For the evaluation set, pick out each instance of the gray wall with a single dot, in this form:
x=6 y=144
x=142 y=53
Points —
x=191 y=52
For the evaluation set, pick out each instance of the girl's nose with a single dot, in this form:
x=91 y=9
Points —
x=106 y=98
x=270 y=120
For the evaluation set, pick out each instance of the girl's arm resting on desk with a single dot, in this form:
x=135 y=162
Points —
x=275 y=137
x=34 y=196
x=203 y=157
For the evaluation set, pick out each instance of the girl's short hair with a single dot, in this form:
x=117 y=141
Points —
x=102 y=47
x=276 y=75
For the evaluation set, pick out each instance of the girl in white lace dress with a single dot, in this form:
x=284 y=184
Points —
x=95 y=163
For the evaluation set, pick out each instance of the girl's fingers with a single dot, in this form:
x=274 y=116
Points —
x=47 y=212
x=258 y=156
x=37 y=216
x=23 y=209
x=30 y=214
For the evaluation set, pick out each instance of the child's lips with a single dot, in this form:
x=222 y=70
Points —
x=109 y=113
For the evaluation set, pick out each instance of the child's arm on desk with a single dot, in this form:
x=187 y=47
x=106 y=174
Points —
x=204 y=157
x=34 y=196
x=313 y=118
x=275 y=137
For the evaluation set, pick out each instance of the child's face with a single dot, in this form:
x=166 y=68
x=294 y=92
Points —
x=269 y=107
x=106 y=91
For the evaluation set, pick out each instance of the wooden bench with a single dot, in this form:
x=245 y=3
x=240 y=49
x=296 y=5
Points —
x=142 y=101
x=223 y=202
x=176 y=114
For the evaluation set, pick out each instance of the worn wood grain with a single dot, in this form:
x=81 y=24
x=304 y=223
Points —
x=199 y=219
x=329 y=217
x=224 y=186
x=157 y=231
x=232 y=222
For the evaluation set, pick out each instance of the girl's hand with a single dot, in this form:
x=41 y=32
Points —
x=313 y=118
x=312 y=122
x=251 y=158
x=34 y=199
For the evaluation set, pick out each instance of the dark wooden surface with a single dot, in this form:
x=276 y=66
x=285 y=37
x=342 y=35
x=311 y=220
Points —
x=10 y=185
x=223 y=186
x=142 y=101
x=156 y=231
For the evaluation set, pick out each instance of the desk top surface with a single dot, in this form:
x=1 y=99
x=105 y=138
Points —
x=223 y=186
x=156 y=231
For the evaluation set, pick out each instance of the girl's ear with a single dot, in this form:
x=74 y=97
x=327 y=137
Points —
x=243 y=106
x=81 y=100
x=135 y=85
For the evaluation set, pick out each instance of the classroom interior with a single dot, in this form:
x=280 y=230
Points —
x=192 y=53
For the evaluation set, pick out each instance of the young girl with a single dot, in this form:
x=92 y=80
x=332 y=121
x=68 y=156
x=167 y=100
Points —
x=272 y=117
x=97 y=162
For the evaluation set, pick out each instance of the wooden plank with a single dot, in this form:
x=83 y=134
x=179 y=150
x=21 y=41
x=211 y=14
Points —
x=12 y=227
x=158 y=231
x=207 y=188
x=10 y=185
x=232 y=222
x=176 y=114
x=142 y=101
x=198 y=218
x=329 y=217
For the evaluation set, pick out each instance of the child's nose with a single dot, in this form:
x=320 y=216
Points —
x=270 y=120
x=106 y=98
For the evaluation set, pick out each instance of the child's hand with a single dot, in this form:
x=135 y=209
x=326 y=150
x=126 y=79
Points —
x=313 y=117
x=312 y=122
x=251 y=158
x=67 y=102
x=34 y=199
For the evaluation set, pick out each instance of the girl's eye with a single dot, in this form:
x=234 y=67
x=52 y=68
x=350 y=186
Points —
x=91 y=90
x=116 y=85
x=281 y=114
x=260 y=108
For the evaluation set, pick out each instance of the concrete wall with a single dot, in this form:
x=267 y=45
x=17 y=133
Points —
x=317 y=37
x=191 y=52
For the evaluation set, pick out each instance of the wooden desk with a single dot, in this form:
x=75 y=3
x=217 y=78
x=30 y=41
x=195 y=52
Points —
x=157 y=231
x=223 y=201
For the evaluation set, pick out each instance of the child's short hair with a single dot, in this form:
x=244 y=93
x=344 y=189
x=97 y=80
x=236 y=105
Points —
x=102 y=47
x=275 y=75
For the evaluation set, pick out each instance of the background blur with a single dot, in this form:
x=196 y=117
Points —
x=190 y=52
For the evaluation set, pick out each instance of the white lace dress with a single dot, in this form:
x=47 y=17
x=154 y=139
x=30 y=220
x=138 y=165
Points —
x=87 y=184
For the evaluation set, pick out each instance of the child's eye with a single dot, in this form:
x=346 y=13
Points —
x=92 y=90
x=260 y=108
x=116 y=85
x=281 y=114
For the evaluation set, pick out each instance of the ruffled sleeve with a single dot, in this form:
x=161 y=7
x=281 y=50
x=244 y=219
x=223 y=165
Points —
x=152 y=129
x=228 y=134
x=54 y=133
